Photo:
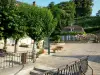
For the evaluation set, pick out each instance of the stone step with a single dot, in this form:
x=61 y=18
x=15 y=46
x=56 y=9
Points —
x=39 y=69
x=34 y=72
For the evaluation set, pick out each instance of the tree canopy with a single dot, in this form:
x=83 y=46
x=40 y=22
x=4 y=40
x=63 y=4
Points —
x=40 y=21
x=86 y=22
x=6 y=16
x=98 y=13
x=83 y=7
x=64 y=13
x=69 y=8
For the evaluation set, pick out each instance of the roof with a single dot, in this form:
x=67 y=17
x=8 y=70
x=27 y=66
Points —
x=75 y=28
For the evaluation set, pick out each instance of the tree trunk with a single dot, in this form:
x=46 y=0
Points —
x=5 y=43
x=16 y=46
x=34 y=51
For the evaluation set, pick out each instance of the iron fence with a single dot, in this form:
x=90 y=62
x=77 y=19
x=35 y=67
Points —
x=15 y=59
x=76 y=68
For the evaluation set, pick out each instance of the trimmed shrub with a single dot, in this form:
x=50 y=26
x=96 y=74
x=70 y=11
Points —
x=40 y=52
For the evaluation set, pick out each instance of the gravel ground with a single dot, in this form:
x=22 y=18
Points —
x=72 y=52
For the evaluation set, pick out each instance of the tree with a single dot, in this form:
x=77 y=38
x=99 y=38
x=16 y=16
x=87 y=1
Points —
x=51 y=5
x=87 y=22
x=49 y=25
x=69 y=8
x=0 y=24
x=6 y=8
x=59 y=14
x=98 y=13
x=83 y=7
x=13 y=22
x=18 y=26
x=7 y=3
x=35 y=27
x=38 y=24
x=64 y=13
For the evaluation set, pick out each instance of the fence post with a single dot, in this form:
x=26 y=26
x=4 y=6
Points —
x=23 y=58
x=66 y=69
x=58 y=72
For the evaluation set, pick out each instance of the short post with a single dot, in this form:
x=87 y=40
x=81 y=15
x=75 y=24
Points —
x=23 y=58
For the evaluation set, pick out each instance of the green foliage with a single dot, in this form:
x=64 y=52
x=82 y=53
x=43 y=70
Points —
x=6 y=15
x=59 y=14
x=49 y=23
x=83 y=12
x=40 y=22
x=25 y=19
x=51 y=5
x=98 y=13
x=83 y=7
x=56 y=38
x=1 y=28
x=7 y=9
x=64 y=13
x=19 y=24
x=35 y=23
x=40 y=52
x=7 y=3
x=69 y=8
x=13 y=23
x=87 y=22
x=90 y=24
x=92 y=29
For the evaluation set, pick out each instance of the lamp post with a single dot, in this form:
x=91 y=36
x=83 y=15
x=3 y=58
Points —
x=48 y=45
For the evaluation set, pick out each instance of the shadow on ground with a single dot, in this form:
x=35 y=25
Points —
x=15 y=62
x=93 y=58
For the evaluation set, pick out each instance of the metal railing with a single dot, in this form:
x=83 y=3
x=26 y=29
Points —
x=79 y=67
x=91 y=69
x=14 y=59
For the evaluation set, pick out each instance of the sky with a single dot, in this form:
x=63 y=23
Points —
x=95 y=7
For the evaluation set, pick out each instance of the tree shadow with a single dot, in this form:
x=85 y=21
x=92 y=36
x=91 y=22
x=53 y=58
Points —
x=93 y=58
x=15 y=62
